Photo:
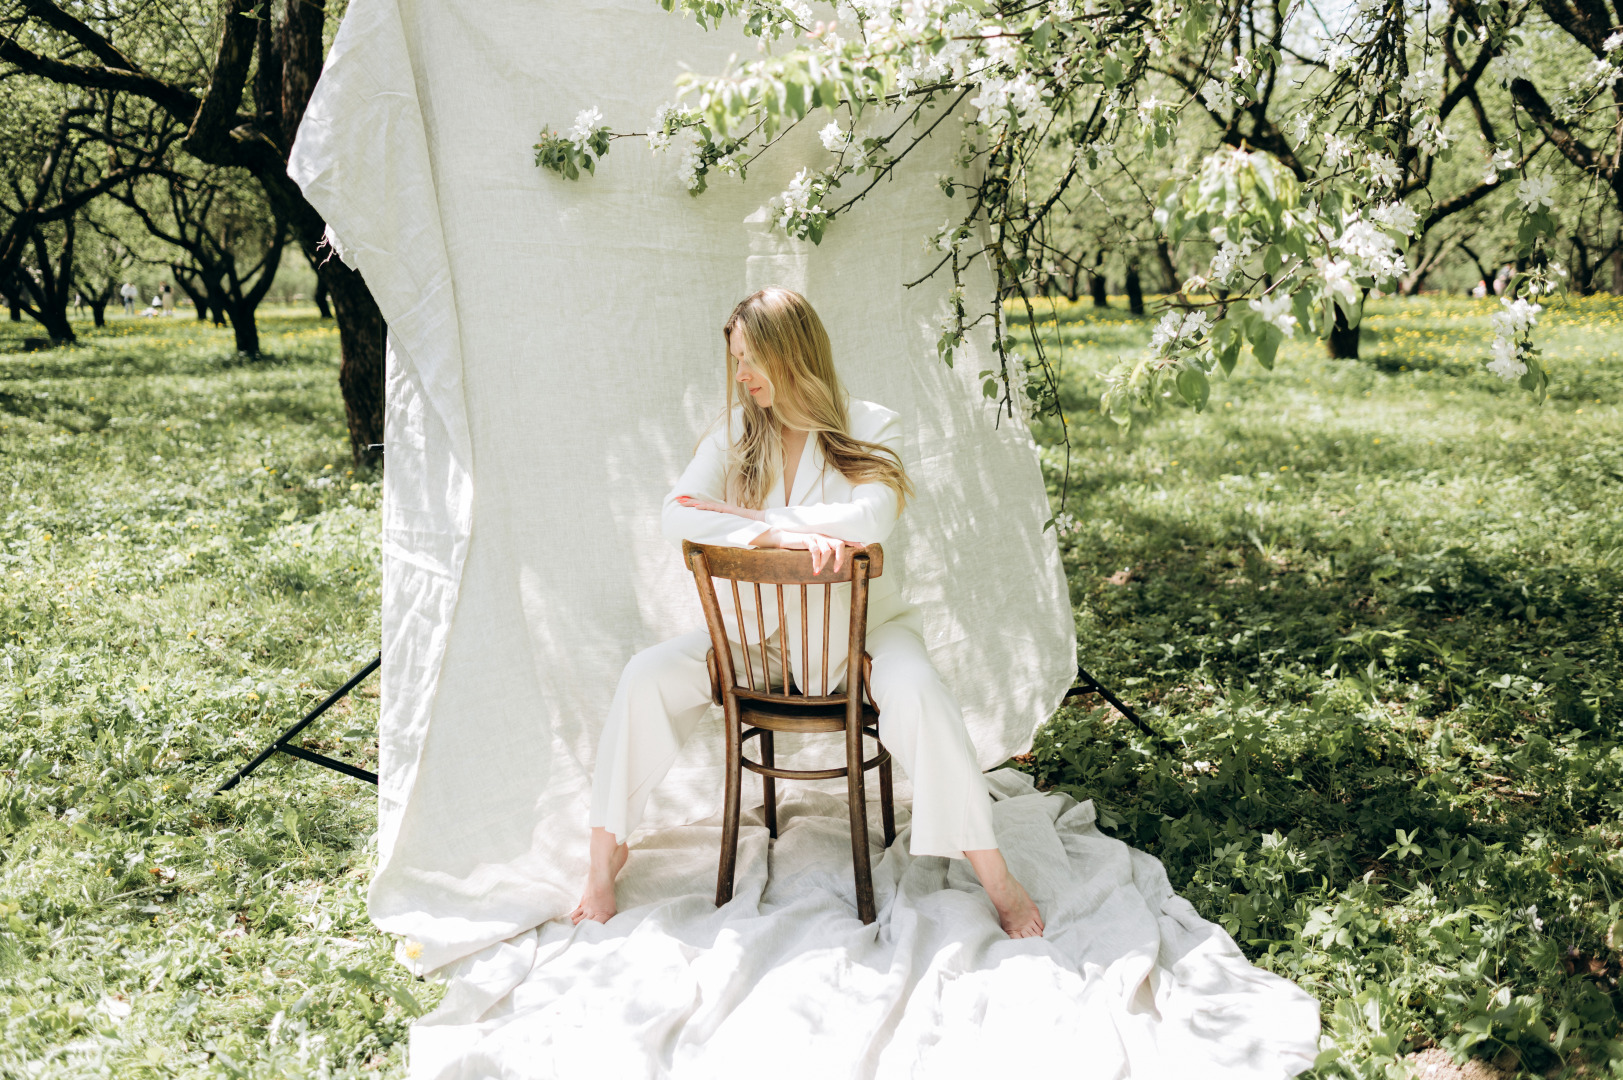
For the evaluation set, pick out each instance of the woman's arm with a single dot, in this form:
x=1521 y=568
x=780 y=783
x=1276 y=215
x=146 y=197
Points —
x=867 y=518
x=706 y=476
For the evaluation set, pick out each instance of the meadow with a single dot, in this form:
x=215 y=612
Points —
x=1372 y=609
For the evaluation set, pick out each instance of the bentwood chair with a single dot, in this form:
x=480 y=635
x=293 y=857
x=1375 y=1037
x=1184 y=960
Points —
x=755 y=708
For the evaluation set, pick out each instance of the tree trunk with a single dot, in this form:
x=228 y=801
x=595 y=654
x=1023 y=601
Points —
x=1164 y=254
x=1343 y=340
x=199 y=301
x=1617 y=270
x=360 y=371
x=16 y=307
x=1135 y=291
x=1096 y=286
x=321 y=298
x=245 y=328
x=98 y=311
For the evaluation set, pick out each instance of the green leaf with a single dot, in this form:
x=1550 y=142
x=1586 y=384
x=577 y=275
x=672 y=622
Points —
x=989 y=388
x=1265 y=344
x=1194 y=387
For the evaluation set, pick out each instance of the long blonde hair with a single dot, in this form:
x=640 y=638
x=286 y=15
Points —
x=786 y=342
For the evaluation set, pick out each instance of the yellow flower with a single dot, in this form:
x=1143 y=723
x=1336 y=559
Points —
x=414 y=949
x=252 y=696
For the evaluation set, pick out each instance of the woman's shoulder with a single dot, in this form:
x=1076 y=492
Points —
x=869 y=416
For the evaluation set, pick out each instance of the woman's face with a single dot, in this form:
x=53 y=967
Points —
x=751 y=378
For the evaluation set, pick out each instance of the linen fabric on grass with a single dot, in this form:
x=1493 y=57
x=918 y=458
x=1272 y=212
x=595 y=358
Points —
x=554 y=354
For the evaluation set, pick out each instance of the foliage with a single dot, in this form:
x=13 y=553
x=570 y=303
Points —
x=188 y=563
x=1375 y=606
x=1051 y=82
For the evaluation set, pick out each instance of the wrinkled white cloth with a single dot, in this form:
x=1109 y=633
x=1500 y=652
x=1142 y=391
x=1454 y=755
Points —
x=554 y=354
x=784 y=981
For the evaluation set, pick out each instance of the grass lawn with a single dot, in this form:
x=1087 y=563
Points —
x=1373 y=606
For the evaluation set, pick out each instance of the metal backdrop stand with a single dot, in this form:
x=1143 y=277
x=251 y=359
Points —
x=1090 y=685
x=284 y=744
x=1087 y=684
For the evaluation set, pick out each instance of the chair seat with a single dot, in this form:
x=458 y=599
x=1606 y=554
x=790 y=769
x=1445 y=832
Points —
x=788 y=716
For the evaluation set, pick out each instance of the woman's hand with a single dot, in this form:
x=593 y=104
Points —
x=693 y=503
x=822 y=548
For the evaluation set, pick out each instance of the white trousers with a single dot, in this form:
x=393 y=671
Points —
x=664 y=692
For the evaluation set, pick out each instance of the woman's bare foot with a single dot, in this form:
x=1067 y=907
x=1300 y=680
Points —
x=1016 y=911
x=597 y=900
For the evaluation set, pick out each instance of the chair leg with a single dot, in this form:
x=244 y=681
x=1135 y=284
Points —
x=729 y=814
x=887 y=805
x=769 y=787
x=855 y=789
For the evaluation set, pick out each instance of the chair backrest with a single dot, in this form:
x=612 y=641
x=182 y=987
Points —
x=753 y=568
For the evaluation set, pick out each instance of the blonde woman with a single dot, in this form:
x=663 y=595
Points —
x=798 y=464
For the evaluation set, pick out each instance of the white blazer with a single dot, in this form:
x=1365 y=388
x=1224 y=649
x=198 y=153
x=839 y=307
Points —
x=823 y=501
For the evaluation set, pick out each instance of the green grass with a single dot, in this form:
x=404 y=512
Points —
x=186 y=563
x=1362 y=597
x=1376 y=607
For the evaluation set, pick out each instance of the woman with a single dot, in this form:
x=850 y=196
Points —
x=794 y=430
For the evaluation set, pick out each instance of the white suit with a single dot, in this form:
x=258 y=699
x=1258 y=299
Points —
x=665 y=690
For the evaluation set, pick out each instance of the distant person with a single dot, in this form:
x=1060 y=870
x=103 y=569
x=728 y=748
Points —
x=167 y=295
x=129 y=292
x=78 y=303
x=1481 y=289
x=1501 y=280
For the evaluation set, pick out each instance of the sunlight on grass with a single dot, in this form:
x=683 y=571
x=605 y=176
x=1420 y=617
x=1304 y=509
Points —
x=1374 y=605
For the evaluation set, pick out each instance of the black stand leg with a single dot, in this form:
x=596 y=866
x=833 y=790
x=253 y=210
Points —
x=1090 y=685
x=285 y=745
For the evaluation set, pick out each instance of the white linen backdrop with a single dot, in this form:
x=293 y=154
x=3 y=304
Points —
x=554 y=353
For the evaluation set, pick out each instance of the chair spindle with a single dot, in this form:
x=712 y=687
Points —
x=738 y=607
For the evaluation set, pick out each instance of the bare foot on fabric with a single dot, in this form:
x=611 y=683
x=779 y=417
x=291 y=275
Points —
x=1016 y=911
x=597 y=899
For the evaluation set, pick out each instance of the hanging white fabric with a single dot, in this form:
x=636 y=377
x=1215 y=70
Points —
x=555 y=351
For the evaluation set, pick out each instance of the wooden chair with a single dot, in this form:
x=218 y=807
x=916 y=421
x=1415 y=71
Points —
x=754 y=708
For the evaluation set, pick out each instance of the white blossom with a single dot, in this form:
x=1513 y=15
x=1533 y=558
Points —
x=1536 y=191
x=1517 y=316
x=1421 y=84
x=1397 y=215
x=1384 y=171
x=1336 y=148
x=1228 y=258
x=1507 y=66
x=1276 y=309
x=1506 y=363
x=1614 y=42
x=1176 y=326
x=1302 y=126
x=688 y=168
x=1338 y=278
x=586 y=122
x=834 y=137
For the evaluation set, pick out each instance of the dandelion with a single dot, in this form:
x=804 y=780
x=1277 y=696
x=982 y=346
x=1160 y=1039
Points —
x=413 y=950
